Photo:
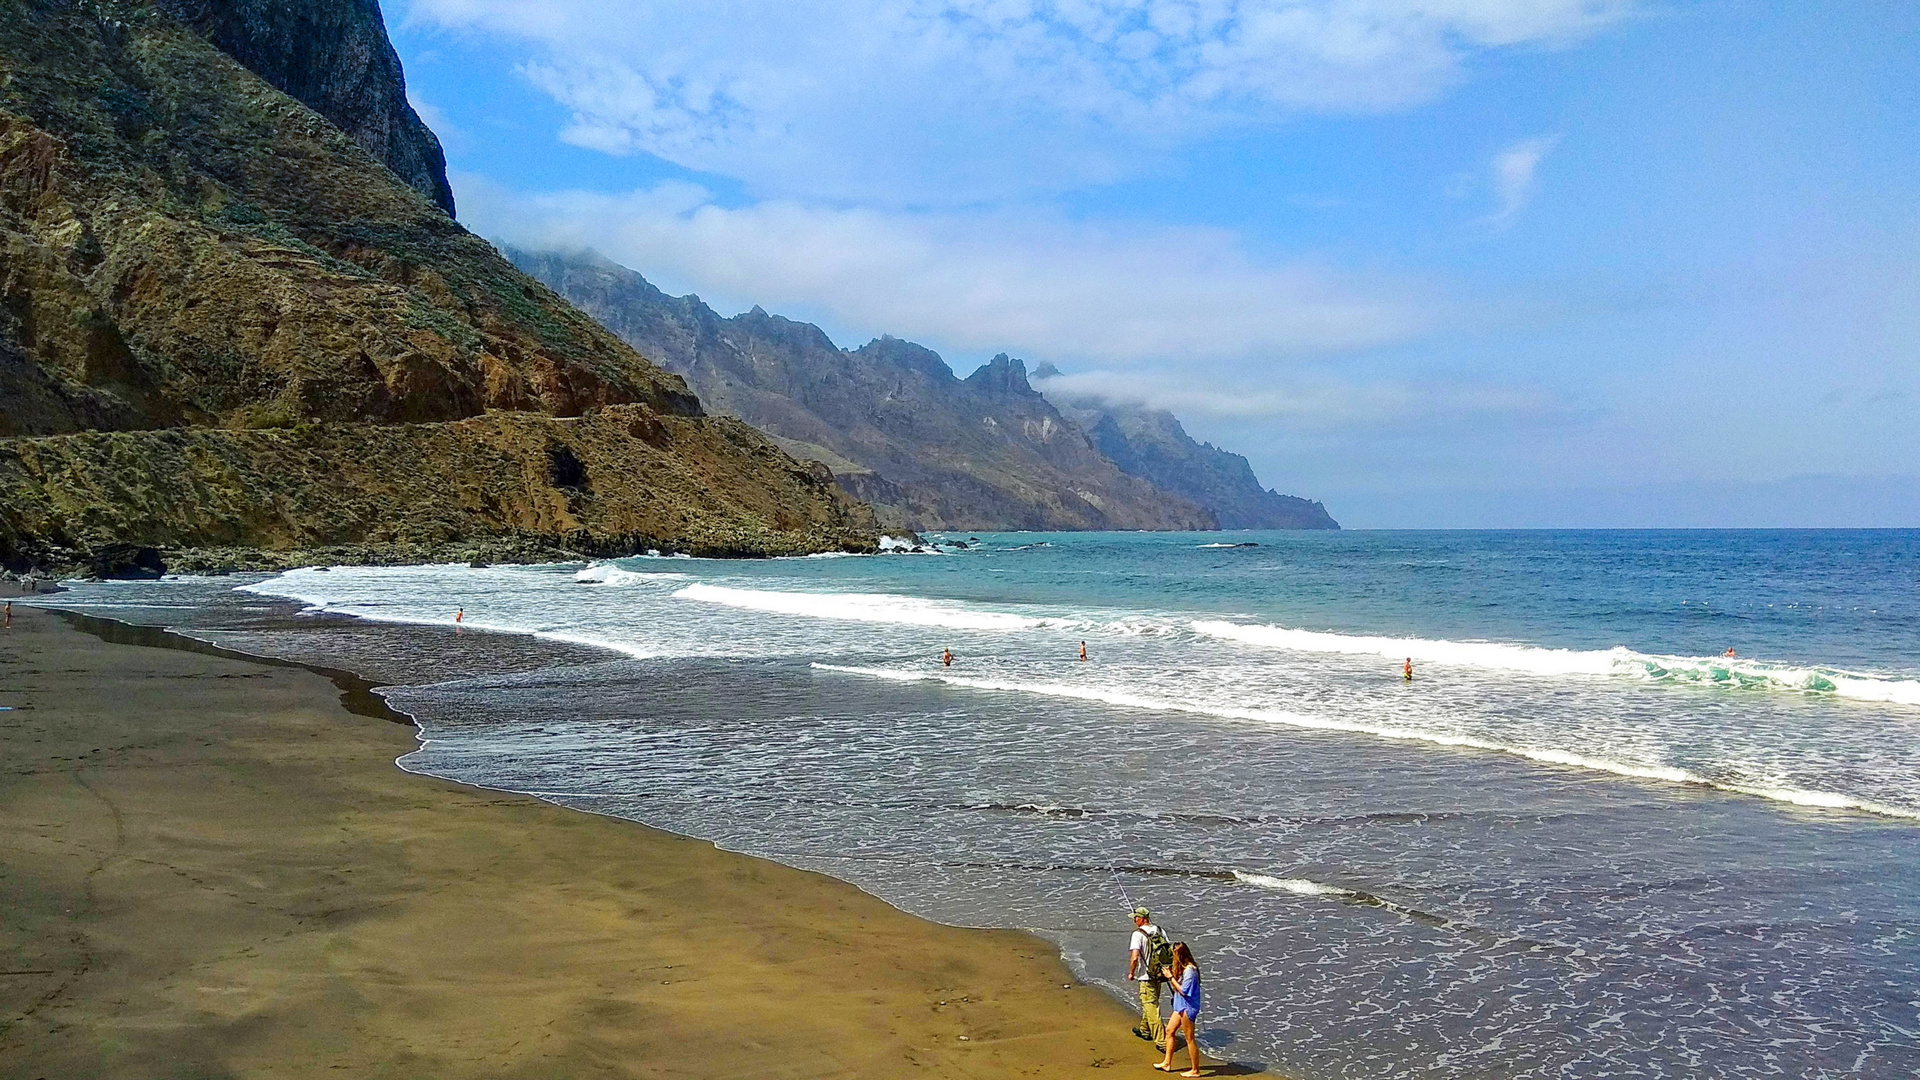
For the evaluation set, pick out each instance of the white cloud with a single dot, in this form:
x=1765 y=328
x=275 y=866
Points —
x=976 y=281
x=924 y=101
x=1513 y=178
x=1310 y=403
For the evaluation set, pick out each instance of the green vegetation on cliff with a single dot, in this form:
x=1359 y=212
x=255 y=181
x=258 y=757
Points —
x=192 y=257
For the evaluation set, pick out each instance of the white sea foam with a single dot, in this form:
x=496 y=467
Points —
x=308 y=587
x=1296 y=886
x=862 y=607
x=902 y=545
x=1544 y=755
x=609 y=574
x=1536 y=660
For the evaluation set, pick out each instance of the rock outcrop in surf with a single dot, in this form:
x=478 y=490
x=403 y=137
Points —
x=225 y=320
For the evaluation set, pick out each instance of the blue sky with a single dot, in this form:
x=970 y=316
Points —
x=1444 y=263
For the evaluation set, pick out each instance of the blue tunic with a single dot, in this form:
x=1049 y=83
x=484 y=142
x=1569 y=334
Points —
x=1186 y=994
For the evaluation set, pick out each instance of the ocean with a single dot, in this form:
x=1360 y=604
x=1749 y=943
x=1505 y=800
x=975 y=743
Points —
x=1582 y=841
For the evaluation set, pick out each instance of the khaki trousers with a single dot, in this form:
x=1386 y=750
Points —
x=1150 y=1011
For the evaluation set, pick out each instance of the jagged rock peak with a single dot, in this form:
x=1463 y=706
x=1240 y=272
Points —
x=1002 y=375
x=335 y=58
x=909 y=355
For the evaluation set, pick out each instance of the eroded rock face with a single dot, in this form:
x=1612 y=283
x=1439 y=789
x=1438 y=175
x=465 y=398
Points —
x=334 y=57
x=183 y=246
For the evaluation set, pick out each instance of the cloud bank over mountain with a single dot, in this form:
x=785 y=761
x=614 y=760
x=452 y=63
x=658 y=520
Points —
x=1065 y=291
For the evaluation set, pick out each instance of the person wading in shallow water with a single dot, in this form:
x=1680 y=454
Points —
x=1147 y=955
x=1083 y=652
x=946 y=657
x=1407 y=671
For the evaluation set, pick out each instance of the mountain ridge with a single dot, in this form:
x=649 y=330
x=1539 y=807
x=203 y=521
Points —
x=900 y=430
x=932 y=451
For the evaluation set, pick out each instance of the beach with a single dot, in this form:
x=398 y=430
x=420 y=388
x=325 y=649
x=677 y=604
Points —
x=1579 y=842
x=214 y=868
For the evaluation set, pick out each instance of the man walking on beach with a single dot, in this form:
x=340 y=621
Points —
x=1141 y=968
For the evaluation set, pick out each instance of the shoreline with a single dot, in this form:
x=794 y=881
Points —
x=329 y=897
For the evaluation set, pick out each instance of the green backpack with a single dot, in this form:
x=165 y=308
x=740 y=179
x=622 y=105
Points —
x=1159 y=953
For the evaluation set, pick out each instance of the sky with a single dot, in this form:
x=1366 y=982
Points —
x=1438 y=263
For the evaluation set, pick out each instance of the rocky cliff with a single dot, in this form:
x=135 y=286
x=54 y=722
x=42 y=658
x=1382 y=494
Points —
x=1152 y=444
x=927 y=449
x=291 y=341
x=333 y=56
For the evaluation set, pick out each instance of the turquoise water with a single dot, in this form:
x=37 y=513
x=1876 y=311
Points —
x=1581 y=842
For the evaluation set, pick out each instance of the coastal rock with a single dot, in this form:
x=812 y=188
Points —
x=223 y=321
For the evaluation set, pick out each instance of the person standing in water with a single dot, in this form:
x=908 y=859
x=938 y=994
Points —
x=946 y=657
x=1407 y=671
x=1083 y=652
x=1145 y=971
x=460 y=615
x=1186 y=1009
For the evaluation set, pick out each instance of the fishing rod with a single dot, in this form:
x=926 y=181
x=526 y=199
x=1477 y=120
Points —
x=1122 y=887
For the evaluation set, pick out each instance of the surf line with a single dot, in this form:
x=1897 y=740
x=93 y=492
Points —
x=1824 y=800
x=1543 y=661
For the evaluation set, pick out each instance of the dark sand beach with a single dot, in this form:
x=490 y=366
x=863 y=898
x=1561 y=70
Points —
x=211 y=867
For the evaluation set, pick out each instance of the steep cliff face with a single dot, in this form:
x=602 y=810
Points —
x=1152 y=444
x=334 y=57
x=929 y=450
x=184 y=246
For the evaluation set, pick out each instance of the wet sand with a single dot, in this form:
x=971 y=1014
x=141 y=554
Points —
x=209 y=867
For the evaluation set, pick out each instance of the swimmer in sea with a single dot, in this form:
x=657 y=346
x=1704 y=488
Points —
x=1407 y=671
x=1731 y=654
x=946 y=657
x=1083 y=652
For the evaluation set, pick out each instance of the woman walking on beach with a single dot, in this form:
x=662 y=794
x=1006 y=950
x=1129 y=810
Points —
x=1185 y=977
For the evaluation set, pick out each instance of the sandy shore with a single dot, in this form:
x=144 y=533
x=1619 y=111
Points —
x=209 y=867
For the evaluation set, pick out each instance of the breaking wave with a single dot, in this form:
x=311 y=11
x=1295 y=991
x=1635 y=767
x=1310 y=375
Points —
x=1827 y=800
x=609 y=574
x=863 y=607
x=1536 y=660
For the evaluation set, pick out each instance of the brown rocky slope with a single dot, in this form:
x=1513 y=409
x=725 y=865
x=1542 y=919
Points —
x=293 y=347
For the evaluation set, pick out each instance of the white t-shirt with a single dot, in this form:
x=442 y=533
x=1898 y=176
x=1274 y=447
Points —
x=1144 y=969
